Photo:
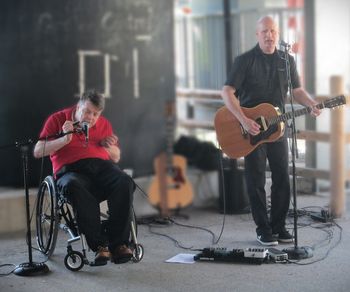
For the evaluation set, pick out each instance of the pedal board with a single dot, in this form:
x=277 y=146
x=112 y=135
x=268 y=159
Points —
x=248 y=255
x=259 y=253
x=277 y=256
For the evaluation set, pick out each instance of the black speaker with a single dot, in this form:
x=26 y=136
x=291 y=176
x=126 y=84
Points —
x=235 y=193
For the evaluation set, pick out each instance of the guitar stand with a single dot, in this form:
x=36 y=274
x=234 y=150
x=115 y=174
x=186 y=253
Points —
x=162 y=219
x=180 y=215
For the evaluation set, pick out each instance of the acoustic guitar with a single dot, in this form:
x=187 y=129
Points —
x=170 y=189
x=236 y=142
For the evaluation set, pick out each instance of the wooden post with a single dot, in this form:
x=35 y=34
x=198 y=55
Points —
x=337 y=151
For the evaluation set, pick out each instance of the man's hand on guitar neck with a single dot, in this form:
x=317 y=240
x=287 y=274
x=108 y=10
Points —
x=302 y=97
x=315 y=111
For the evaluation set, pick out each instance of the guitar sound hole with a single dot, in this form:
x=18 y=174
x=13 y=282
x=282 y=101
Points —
x=176 y=174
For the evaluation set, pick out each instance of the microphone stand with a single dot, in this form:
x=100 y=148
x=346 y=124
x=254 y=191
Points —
x=31 y=268
x=296 y=252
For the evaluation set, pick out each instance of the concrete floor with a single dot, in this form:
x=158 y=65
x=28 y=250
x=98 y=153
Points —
x=154 y=274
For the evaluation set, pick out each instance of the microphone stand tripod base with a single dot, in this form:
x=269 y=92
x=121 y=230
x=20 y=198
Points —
x=299 y=253
x=31 y=269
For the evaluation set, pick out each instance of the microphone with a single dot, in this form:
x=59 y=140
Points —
x=61 y=133
x=284 y=44
x=85 y=129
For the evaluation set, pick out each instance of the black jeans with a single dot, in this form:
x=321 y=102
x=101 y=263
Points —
x=255 y=167
x=88 y=182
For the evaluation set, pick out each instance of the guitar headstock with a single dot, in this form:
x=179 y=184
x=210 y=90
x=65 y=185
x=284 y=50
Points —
x=335 y=101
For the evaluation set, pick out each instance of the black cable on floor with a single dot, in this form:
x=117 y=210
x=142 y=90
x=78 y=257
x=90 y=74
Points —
x=9 y=273
x=325 y=227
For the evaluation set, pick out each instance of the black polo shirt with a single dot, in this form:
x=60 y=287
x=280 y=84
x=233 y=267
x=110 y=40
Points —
x=255 y=77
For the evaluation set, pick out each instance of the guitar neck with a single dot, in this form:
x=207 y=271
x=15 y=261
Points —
x=169 y=154
x=170 y=127
x=289 y=115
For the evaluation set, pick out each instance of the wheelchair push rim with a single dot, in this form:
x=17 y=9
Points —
x=47 y=220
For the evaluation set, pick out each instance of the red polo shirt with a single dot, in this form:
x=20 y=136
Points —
x=77 y=149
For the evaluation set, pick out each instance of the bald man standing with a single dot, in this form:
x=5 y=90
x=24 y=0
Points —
x=260 y=76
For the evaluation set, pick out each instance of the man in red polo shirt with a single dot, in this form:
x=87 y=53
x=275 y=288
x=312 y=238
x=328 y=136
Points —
x=84 y=165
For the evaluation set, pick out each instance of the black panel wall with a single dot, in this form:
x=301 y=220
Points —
x=39 y=72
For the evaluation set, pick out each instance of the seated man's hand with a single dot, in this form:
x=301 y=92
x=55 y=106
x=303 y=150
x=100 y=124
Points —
x=109 y=141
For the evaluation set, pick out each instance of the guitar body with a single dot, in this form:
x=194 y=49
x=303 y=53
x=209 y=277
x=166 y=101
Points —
x=234 y=141
x=170 y=189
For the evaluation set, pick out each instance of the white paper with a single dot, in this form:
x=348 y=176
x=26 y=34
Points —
x=182 y=258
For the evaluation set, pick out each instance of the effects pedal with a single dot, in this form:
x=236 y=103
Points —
x=260 y=253
x=277 y=256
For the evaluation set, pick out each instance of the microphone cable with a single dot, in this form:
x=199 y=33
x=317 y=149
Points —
x=172 y=221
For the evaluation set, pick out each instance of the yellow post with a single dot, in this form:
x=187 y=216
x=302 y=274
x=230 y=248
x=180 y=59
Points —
x=337 y=151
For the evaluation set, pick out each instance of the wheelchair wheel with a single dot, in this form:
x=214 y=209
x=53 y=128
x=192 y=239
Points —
x=47 y=218
x=74 y=261
x=138 y=253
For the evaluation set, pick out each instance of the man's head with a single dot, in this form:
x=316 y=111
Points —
x=90 y=107
x=267 y=33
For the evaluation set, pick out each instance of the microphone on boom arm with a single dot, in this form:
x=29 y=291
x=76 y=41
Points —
x=284 y=44
x=85 y=130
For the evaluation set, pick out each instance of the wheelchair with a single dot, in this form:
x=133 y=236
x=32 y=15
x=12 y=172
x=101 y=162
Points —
x=54 y=212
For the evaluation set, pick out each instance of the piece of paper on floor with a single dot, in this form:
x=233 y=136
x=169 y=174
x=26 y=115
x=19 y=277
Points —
x=183 y=258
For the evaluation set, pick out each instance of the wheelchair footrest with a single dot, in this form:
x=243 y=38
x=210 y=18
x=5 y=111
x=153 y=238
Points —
x=97 y=264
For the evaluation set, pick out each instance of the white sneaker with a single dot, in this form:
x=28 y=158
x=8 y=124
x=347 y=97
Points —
x=267 y=239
